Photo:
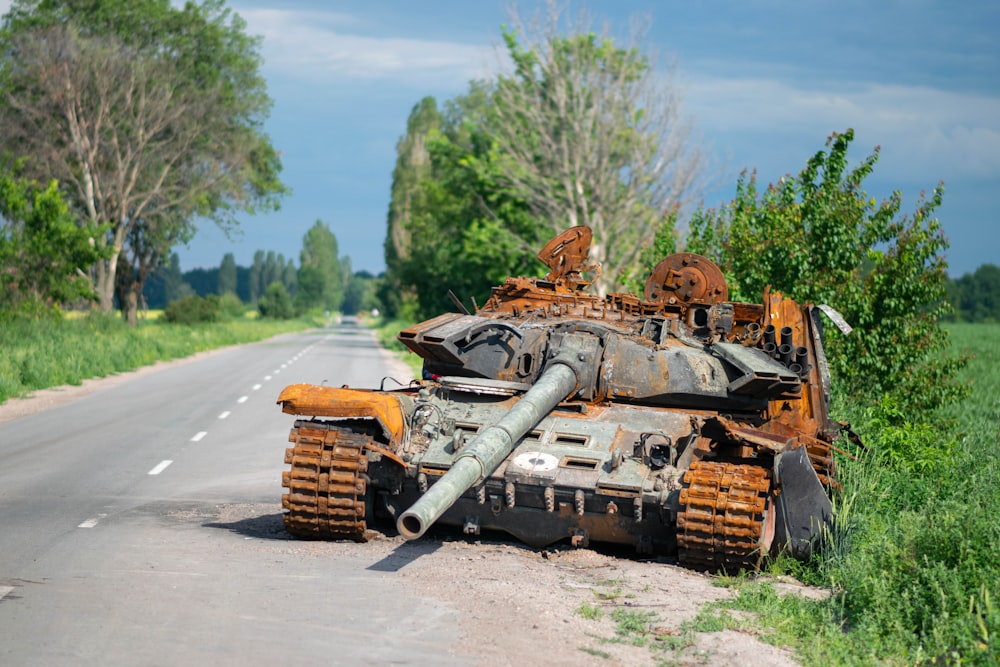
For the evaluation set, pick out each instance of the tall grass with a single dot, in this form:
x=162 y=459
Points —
x=36 y=354
x=914 y=567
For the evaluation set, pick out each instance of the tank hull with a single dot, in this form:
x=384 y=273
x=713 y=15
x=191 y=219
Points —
x=682 y=424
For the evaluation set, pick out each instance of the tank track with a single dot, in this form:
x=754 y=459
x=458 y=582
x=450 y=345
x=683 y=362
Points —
x=326 y=484
x=721 y=517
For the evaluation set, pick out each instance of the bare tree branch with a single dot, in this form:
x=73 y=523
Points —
x=593 y=135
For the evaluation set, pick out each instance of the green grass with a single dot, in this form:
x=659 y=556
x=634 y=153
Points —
x=38 y=354
x=386 y=331
x=915 y=565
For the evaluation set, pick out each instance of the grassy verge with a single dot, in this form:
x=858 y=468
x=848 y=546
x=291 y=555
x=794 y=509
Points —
x=40 y=354
x=386 y=332
x=915 y=565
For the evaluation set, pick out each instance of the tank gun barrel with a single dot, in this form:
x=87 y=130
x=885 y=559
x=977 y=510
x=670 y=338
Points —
x=491 y=447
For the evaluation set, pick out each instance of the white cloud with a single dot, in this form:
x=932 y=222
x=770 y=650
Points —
x=922 y=130
x=320 y=47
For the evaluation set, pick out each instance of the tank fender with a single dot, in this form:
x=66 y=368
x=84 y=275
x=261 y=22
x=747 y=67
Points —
x=345 y=403
x=803 y=508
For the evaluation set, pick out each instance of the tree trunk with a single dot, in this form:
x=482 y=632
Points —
x=105 y=282
x=130 y=305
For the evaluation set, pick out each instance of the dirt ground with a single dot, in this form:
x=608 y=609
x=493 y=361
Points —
x=522 y=606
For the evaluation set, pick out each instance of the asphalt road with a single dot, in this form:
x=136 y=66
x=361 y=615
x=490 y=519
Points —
x=141 y=525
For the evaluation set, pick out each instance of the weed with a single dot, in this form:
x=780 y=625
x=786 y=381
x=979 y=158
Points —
x=611 y=594
x=589 y=611
x=593 y=651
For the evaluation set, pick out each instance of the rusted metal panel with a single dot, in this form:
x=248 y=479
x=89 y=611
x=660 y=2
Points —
x=345 y=403
x=557 y=414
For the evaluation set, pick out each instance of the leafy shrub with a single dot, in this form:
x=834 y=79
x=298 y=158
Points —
x=916 y=445
x=276 y=303
x=230 y=306
x=818 y=237
x=193 y=310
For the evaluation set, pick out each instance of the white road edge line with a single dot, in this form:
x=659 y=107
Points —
x=242 y=399
x=198 y=436
x=161 y=466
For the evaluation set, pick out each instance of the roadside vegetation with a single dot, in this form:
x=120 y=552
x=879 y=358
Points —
x=48 y=352
x=913 y=567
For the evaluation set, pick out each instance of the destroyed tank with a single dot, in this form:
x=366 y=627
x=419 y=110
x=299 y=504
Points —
x=680 y=423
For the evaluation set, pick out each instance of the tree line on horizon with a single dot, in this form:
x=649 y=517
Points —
x=323 y=280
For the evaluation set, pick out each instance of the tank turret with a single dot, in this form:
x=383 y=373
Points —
x=679 y=422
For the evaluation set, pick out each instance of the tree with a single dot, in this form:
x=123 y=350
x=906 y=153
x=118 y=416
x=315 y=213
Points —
x=290 y=277
x=976 y=296
x=276 y=303
x=587 y=132
x=412 y=166
x=463 y=231
x=360 y=293
x=43 y=252
x=582 y=132
x=256 y=276
x=150 y=116
x=320 y=274
x=818 y=237
x=166 y=284
x=227 y=274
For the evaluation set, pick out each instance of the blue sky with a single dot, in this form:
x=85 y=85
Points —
x=764 y=83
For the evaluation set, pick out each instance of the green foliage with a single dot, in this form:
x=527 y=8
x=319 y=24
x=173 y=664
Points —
x=586 y=132
x=227 y=275
x=581 y=132
x=664 y=244
x=193 y=310
x=359 y=296
x=591 y=612
x=454 y=226
x=634 y=624
x=230 y=307
x=818 y=237
x=47 y=353
x=150 y=116
x=320 y=277
x=276 y=303
x=976 y=296
x=43 y=253
x=919 y=445
x=914 y=567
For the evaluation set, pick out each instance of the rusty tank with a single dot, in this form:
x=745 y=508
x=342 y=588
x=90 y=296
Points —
x=680 y=423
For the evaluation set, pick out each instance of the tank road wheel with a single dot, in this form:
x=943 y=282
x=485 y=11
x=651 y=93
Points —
x=722 y=514
x=326 y=484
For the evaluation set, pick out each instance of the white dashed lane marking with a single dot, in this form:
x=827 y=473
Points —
x=89 y=523
x=224 y=414
x=160 y=467
x=4 y=590
x=242 y=399
x=256 y=387
x=267 y=377
x=198 y=436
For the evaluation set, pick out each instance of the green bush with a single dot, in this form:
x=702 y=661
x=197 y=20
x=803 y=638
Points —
x=193 y=310
x=276 y=303
x=230 y=307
